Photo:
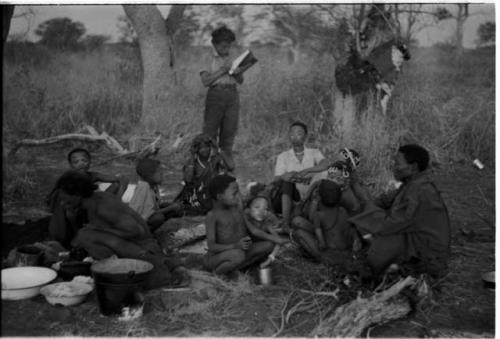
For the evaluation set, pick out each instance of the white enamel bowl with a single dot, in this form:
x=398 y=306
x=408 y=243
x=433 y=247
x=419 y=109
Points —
x=25 y=282
x=66 y=293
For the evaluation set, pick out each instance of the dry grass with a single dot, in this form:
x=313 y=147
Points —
x=444 y=104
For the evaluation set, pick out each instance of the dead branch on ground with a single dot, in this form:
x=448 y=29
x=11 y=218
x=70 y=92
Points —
x=351 y=319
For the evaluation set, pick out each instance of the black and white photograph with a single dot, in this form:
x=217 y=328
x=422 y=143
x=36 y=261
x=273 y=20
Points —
x=264 y=169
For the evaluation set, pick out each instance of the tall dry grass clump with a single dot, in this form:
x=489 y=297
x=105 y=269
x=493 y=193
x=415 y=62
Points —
x=447 y=105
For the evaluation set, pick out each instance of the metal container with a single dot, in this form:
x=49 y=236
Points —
x=265 y=276
x=25 y=282
x=27 y=255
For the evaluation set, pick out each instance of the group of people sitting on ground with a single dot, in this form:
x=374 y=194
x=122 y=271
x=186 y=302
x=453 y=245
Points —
x=323 y=204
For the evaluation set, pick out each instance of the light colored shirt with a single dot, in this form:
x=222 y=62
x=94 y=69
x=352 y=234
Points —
x=214 y=63
x=144 y=200
x=287 y=162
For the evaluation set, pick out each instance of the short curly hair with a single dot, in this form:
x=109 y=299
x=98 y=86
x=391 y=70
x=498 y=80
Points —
x=76 y=183
x=219 y=184
x=222 y=34
x=415 y=154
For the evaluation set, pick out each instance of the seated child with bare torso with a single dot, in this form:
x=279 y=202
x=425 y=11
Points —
x=263 y=224
x=326 y=228
x=230 y=246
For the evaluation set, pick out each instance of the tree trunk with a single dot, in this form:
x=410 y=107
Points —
x=155 y=54
x=7 y=12
x=463 y=14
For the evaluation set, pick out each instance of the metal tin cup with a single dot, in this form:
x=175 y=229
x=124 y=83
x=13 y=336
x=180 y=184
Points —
x=27 y=255
x=265 y=276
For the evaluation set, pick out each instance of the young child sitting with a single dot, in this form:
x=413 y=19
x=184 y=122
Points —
x=63 y=219
x=203 y=164
x=146 y=198
x=263 y=224
x=343 y=172
x=79 y=159
x=229 y=245
x=326 y=227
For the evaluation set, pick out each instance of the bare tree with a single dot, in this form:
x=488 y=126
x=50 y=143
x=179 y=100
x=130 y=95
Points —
x=462 y=15
x=152 y=32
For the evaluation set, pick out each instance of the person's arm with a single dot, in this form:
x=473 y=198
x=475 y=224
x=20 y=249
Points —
x=318 y=231
x=208 y=78
x=258 y=233
x=398 y=219
x=213 y=246
x=102 y=177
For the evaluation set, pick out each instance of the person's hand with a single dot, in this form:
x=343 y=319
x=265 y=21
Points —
x=289 y=175
x=244 y=243
x=237 y=71
x=226 y=67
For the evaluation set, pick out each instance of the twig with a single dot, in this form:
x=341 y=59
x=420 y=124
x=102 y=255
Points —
x=484 y=197
x=476 y=250
x=327 y=294
x=282 y=327
x=272 y=322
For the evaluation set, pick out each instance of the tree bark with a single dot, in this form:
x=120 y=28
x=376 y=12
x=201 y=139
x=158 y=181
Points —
x=463 y=14
x=7 y=12
x=154 y=44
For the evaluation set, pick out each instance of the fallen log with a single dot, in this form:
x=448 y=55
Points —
x=351 y=319
x=104 y=137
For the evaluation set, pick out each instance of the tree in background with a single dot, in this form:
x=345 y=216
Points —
x=127 y=32
x=155 y=46
x=92 y=42
x=486 y=33
x=61 y=33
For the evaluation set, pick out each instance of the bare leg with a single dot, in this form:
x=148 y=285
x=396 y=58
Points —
x=258 y=251
x=224 y=262
x=286 y=208
x=309 y=243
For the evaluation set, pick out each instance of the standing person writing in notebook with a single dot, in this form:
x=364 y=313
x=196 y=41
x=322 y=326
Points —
x=222 y=105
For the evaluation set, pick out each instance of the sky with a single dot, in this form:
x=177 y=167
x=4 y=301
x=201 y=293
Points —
x=103 y=19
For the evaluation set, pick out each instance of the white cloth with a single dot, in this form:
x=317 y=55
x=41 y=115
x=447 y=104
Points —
x=127 y=195
x=287 y=162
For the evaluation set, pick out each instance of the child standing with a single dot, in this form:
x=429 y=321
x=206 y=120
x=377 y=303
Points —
x=146 y=198
x=327 y=227
x=203 y=164
x=220 y=121
x=229 y=245
x=263 y=224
